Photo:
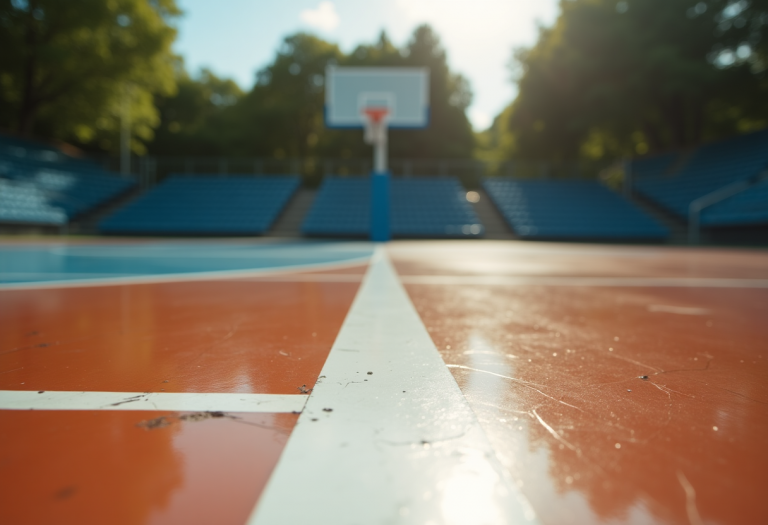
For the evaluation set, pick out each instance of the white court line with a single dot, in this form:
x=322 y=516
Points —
x=397 y=445
x=312 y=278
x=186 y=402
x=97 y=280
x=659 y=282
x=172 y=252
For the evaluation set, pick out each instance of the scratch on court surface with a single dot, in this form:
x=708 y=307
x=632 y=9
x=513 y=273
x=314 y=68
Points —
x=526 y=384
x=423 y=442
x=667 y=390
x=522 y=381
x=555 y=434
x=129 y=400
x=618 y=356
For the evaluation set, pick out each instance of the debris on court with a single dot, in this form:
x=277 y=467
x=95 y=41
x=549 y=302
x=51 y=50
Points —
x=164 y=421
x=128 y=400
x=152 y=424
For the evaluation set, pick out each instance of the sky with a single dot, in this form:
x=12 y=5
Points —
x=235 y=38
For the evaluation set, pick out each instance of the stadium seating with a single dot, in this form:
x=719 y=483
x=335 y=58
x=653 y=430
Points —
x=41 y=185
x=710 y=168
x=749 y=207
x=24 y=202
x=420 y=207
x=208 y=204
x=570 y=210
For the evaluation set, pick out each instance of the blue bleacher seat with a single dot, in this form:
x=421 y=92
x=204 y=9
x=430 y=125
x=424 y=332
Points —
x=41 y=185
x=207 y=204
x=710 y=168
x=570 y=209
x=749 y=207
x=419 y=207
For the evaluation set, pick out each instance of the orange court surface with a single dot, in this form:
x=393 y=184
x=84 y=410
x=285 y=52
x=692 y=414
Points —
x=426 y=382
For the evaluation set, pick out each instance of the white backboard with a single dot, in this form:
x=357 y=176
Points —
x=403 y=90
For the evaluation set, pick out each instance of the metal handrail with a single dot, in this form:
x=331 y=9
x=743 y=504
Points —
x=696 y=206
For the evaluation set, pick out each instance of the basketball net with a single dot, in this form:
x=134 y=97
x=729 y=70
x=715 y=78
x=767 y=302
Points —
x=376 y=125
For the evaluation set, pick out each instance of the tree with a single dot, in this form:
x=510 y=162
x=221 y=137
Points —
x=449 y=134
x=615 y=78
x=197 y=117
x=75 y=65
x=283 y=115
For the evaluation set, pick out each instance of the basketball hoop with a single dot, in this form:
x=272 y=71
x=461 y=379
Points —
x=374 y=98
x=375 y=124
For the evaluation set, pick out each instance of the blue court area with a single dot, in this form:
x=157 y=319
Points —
x=22 y=264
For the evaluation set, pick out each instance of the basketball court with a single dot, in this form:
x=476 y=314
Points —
x=258 y=382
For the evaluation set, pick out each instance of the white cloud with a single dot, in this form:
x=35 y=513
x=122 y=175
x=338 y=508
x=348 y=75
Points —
x=323 y=17
x=479 y=36
x=480 y=119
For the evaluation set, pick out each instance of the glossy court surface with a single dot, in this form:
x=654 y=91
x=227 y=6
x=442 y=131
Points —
x=606 y=384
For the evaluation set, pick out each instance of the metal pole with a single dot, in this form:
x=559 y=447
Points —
x=376 y=134
x=380 y=154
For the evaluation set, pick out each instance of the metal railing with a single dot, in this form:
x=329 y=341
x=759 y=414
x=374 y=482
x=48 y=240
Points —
x=151 y=169
x=697 y=206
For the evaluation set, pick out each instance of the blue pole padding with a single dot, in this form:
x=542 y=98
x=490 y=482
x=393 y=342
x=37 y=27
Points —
x=380 y=225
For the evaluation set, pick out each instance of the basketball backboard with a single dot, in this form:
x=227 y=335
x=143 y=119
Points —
x=402 y=91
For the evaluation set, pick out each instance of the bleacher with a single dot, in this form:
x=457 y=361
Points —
x=545 y=209
x=41 y=185
x=208 y=204
x=420 y=207
x=709 y=168
x=749 y=207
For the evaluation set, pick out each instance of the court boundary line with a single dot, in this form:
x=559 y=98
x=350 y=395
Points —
x=387 y=436
x=649 y=282
x=155 y=401
x=214 y=275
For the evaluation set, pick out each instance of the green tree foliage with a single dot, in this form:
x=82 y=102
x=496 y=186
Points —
x=282 y=116
x=617 y=78
x=193 y=120
x=68 y=68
